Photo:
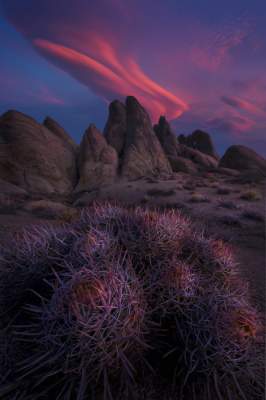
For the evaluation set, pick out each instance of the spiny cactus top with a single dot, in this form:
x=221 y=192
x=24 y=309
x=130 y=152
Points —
x=125 y=303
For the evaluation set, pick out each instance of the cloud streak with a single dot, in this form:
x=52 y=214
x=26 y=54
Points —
x=237 y=102
x=114 y=75
x=200 y=66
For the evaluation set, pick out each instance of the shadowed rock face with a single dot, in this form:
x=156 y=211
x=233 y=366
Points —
x=116 y=126
x=97 y=161
x=201 y=141
x=33 y=157
x=143 y=154
x=54 y=127
x=242 y=158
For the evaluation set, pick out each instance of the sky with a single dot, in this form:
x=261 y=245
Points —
x=202 y=64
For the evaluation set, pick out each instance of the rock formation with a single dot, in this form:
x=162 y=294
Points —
x=97 y=161
x=33 y=157
x=54 y=127
x=143 y=154
x=243 y=158
x=201 y=141
x=43 y=159
x=116 y=126
x=181 y=157
x=202 y=160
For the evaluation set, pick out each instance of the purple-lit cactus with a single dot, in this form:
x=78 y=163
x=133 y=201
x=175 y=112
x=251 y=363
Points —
x=124 y=294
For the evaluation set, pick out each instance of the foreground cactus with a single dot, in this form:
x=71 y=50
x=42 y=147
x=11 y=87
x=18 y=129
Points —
x=126 y=303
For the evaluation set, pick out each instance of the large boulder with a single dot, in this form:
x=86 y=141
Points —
x=97 y=161
x=201 y=141
x=33 y=157
x=54 y=127
x=116 y=126
x=143 y=154
x=243 y=158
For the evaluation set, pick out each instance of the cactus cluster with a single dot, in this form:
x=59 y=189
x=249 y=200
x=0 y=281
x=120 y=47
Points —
x=126 y=303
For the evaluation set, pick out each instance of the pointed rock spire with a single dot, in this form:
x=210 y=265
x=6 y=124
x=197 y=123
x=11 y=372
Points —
x=143 y=154
x=116 y=126
x=97 y=161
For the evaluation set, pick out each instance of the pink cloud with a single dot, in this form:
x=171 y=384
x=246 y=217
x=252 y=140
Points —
x=112 y=74
x=232 y=122
x=242 y=104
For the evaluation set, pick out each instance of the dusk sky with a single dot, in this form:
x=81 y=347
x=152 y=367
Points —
x=202 y=63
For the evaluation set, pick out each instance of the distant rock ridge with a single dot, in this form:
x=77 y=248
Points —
x=43 y=158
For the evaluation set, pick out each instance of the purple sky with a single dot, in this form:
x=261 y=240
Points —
x=200 y=63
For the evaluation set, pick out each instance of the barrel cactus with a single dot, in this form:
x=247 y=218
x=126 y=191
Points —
x=126 y=302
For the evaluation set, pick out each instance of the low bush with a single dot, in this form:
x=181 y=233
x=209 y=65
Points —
x=251 y=195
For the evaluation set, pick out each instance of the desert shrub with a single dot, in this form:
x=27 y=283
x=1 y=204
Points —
x=231 y=220
x=230 y=205
x=253 y=215
x=198 y=198
x=223 y=191
x=145 y=199
x=68 y=215
x=160 y=192
x=120 y=297
x=251 y=195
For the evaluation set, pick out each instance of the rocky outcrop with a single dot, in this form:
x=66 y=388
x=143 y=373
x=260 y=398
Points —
x=143 y=154
x=54 y=127
x=116 y=126
x=243 y=158
x=201 y=141
x=203 y=161
x=97 y=161
x=33 y=157
x=43 y=159
x=181 y=157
